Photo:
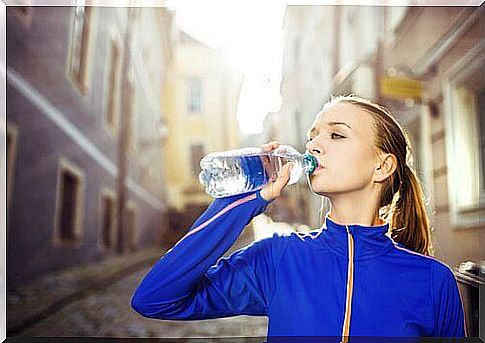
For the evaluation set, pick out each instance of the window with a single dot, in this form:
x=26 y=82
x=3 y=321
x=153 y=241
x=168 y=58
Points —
x=112 y=103
x=69 y=204
x=196 y=154
x=108 y=220
x=131 y=228
x=79 y=45
x=194 y=95
x=465 y=127
x=464 y=135
x=11 y=151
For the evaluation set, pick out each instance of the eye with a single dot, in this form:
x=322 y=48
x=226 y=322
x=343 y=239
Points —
x=336 y=136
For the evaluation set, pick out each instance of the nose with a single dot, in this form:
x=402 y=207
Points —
x=312 y=148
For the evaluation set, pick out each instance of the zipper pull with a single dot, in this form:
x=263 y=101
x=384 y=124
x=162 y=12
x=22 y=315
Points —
x=349 y=229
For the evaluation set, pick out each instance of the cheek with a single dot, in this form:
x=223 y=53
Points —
x=358 y=163
x=351 y=158
x=352 y=168
x=357 y=169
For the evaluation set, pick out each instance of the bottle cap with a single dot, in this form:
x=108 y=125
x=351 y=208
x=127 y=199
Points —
x=311 y=161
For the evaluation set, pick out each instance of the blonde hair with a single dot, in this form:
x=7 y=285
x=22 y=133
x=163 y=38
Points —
x=402 y=200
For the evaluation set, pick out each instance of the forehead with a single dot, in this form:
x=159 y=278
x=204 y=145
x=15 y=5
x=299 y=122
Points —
x=356 y=117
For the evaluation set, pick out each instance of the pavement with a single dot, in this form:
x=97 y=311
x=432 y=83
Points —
x=109 y=314
x=46 y=295
x=94 y=300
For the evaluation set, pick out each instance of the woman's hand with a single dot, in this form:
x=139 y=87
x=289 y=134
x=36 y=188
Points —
x=273 y=189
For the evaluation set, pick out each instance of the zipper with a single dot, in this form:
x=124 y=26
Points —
x=350 y=286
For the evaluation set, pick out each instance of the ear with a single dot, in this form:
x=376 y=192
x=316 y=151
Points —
x=385 y=167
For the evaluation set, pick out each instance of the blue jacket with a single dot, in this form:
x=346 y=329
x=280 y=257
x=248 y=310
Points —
x=338 y=280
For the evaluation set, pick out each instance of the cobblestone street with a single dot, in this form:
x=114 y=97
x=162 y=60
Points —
x=82 y=301
x=109 y=314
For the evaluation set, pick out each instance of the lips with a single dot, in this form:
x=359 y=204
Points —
x=318 y=169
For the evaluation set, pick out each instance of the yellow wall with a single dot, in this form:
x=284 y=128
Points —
x=216 y=127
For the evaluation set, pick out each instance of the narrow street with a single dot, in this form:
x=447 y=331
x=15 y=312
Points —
x=124 y=124
x=109 y=314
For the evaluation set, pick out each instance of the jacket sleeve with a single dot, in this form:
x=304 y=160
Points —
x=186 y=283
x=449 y=314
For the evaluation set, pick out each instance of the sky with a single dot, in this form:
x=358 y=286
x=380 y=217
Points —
x=251 y=36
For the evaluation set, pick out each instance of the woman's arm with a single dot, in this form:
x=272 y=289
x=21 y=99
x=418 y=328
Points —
x=183 y=285
x=449 y=314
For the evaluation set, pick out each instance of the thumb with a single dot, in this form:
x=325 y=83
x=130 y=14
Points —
x=283 y=177
x=273 y=189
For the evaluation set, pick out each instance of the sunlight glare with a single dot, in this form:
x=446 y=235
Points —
x=250 y=36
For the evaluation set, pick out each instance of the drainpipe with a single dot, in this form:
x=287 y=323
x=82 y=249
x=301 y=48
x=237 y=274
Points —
x=123 y=136
x=378 y=71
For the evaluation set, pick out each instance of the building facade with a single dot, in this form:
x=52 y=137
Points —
x=67 y=98
x=202 y=99
x=446 y=119
x=444 y=114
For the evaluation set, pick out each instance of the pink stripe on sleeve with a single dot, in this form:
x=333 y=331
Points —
x=218 y=214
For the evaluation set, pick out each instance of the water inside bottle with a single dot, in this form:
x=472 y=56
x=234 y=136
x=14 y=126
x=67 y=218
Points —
x=227 y=175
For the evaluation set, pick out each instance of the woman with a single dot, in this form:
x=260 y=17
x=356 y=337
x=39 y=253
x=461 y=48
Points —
x=366 y=272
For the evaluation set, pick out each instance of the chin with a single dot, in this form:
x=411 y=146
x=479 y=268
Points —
x=321 y=189
x=317 y=189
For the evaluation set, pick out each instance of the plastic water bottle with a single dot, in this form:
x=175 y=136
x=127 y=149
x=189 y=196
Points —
x=244 y=170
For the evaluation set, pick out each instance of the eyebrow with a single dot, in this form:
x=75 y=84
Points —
x=331 y=123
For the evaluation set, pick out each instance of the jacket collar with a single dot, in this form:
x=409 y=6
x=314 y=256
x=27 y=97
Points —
x=369 y=241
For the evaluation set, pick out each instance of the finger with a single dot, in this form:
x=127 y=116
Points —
x=270 y=146
x=286 y=170
x=274 y=144
x=283 y=177
x=265 y=147
x=274 y=188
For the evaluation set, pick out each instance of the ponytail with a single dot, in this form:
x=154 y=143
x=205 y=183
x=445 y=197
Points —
x=409 y=221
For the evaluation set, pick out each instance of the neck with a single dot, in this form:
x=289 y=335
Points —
x=359 y=209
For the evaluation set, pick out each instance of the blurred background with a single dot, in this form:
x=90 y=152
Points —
x=110 y=109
